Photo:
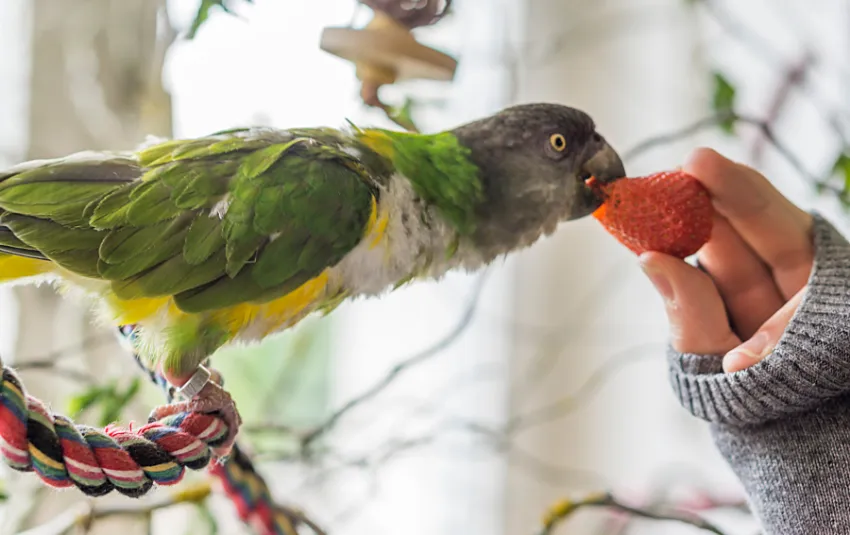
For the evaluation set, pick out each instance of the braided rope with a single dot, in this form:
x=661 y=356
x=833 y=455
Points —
x=131 y=460
x=127 y=460
x=239 y=479
x=251 y=496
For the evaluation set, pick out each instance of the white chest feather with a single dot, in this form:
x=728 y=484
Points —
x=414 y=241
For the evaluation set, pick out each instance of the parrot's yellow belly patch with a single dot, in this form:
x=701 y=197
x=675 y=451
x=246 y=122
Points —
x=20 y=267
x=266 y=317
x=281 y=312
x=138 y=310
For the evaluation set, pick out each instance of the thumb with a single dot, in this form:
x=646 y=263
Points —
x=695 y=310
x=764 y=340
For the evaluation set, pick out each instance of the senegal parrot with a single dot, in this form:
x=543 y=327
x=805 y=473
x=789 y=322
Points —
x=240 y=234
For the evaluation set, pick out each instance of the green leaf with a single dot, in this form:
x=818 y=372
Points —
x=203 y=14
x=116 y=402
x=207 y=518
x=723 y=102
x=403 y=116
x=109 y=399
x=88 y=399
x=841 y=167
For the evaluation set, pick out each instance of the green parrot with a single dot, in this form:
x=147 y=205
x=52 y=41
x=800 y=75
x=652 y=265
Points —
x=242 y=233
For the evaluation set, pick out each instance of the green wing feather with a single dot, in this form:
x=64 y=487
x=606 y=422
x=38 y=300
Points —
x=238 y=216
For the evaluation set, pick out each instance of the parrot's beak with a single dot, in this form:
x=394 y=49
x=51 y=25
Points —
x=605 y=165
x=602 y=167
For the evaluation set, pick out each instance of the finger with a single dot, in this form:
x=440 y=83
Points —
x=695 y=311
x=744 y=282
x=778 y=231
x=764 y=340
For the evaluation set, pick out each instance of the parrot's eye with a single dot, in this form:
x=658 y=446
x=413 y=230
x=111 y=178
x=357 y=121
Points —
x=558 y=142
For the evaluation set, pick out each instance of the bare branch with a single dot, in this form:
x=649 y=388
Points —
x=400 y=368
x=51 y=366
x=559 y=513
x=773 y=57
x=742 y=33
x=583 y=394
x=88 y=344
x=660 y=140
x=794 y=77
x=85 y=514
x=713 y=120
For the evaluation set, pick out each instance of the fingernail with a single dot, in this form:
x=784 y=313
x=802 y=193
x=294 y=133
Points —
x=659 y=280
x=756 y=348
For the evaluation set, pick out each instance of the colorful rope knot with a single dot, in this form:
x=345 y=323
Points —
x=125 y=459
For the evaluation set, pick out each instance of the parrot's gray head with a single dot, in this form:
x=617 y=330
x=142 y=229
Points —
x=534 y=161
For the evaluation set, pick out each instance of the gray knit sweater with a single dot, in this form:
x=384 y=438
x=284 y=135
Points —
x=784 y=424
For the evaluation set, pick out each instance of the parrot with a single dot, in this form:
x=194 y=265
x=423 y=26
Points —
x=231 y=237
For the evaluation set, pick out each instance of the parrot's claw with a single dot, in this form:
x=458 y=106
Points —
x=211 y=398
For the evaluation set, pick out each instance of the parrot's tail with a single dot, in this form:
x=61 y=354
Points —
x=16 y=262
x=18 y=268
x=43 y=211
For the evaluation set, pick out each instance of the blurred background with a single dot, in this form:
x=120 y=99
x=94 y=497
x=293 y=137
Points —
x=540 y=379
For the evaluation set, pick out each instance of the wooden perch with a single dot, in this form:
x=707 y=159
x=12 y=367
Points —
x=385 y=52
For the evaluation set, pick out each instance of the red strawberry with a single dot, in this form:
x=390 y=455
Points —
x=669 y=212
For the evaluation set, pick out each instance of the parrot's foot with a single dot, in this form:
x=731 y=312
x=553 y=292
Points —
x=206 y=397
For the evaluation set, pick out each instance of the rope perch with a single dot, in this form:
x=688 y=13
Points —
x=238 y=478
x=124 y=459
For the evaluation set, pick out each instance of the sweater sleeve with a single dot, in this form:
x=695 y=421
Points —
x=783 y=425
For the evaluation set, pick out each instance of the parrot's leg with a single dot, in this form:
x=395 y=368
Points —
x=191 y=341
x=210 y=398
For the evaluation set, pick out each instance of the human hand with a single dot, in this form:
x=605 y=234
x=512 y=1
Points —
x=754 y=268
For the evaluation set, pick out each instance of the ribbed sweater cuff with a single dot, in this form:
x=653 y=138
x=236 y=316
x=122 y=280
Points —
x=810 y=364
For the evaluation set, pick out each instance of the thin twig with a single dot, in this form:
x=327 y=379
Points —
x=794 y=77
x=771 y=56
x=307 y=521
x=742 y=33
x=713 y=120
x=401 y=367
x=51 y=366
x=583 y=394
x=85 y=514
x=88 y=344
x=678 y=134
x=563 y=510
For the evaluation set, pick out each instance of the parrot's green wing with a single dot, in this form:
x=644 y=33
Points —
x=230 y=218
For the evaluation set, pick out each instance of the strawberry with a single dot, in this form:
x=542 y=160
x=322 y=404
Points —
x=668 y=212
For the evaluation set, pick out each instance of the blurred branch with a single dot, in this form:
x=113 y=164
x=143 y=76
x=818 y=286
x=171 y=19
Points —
x=773 y=57
x=713 y=120
x=86 y=514
x=563 y=510
x=204 y=12
x=742 y=32
x=307 y=521
x=405 y=365
x=50 y=361
x=583 y=394
x=54 y=368
x=794 y=77
x=501 y=439
x=88 y=344
x=704 y=501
